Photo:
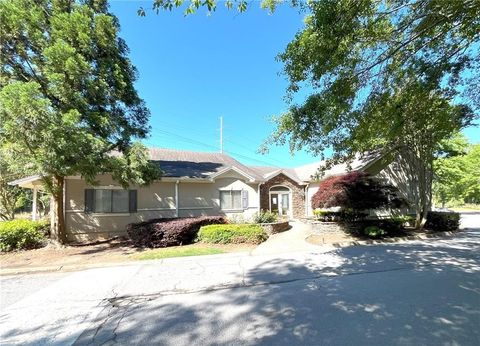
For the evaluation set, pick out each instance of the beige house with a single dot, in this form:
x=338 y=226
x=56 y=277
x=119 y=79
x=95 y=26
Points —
x=193 y=184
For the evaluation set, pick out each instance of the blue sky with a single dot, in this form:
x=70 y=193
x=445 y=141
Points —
x=194 y=69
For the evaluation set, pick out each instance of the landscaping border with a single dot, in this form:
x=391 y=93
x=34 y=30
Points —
x=386 y=240
x=275 y=227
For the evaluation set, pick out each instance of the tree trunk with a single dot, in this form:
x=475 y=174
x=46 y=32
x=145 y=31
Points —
x=425 y=178
x=57 y=226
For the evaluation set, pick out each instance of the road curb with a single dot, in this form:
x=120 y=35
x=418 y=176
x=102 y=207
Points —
x=386 y=240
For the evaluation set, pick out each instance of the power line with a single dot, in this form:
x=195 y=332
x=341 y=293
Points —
x=181 y=127
x=185 y=139
x=193 y=141
x=252 y=159
x=252 y=150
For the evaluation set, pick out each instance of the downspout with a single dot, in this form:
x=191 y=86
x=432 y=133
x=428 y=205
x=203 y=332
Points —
x=176 y=198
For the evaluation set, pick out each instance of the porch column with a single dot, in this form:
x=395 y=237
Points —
x=34 y=204
x=259 y=199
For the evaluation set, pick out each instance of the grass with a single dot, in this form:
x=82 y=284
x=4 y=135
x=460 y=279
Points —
x=177 y=251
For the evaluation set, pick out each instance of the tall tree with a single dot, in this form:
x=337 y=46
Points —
x=457 y=172
x=67 y=96
x=396 y=76
x=383 y=75
x=9 y=195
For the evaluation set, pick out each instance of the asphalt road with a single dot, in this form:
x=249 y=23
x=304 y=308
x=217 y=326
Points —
x=412 y=293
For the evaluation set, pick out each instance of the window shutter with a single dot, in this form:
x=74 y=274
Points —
x=132 y=201
x=244 y=199
x=89 y=200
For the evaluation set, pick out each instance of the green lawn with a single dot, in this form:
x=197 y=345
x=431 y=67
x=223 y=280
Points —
x=178 y=251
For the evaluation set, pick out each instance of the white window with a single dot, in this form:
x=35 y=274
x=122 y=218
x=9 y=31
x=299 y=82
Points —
x=231 y=199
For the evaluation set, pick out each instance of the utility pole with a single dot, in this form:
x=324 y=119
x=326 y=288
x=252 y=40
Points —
x=221 y=135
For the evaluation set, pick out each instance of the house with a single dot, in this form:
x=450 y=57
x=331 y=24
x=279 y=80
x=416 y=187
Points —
x=199 y=183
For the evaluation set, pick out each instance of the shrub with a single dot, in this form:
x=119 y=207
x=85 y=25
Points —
x=265 y=217
x=389 y=227
x=355 y=191
x=442 y=221
x=237 y=219
x=232 y=234
x=373 y=232
x=403 y=219
x=344 y=215
x=169 y=232
x=22 y=234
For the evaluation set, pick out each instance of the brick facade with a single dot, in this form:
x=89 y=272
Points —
x=297 y=199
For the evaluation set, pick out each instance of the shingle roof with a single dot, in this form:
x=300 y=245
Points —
x=306 y=172
x=192 y=164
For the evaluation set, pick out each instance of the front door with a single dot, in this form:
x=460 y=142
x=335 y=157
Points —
x=274 y=202
x=280 y=203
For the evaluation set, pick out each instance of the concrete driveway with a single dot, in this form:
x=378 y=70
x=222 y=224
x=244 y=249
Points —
x=414 y=293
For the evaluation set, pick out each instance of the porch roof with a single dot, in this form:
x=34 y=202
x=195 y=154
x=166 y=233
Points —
x=30 y=182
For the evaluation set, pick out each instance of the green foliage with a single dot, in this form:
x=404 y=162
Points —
x=182 y=251
x=342 y=215
x=22 y=234
x=385 y=77
x=68 y=84
x=403 y=219
x=442 y=221
x=10 y=196
x=232 y=234
x=67 y=98
x=265 y=217
x=374 y=232
x=192 y=6
x=457 y=178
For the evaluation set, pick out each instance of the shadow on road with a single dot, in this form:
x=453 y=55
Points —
x=424 y=293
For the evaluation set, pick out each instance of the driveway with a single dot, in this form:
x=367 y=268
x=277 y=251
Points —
x=413 y=293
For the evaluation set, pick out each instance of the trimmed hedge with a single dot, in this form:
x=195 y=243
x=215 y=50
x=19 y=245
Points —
x=232 y=234
x=438 y=221
x=169 y=231
x=22 y=234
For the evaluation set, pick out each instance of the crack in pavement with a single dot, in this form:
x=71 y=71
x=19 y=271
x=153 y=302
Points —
x=330 y=275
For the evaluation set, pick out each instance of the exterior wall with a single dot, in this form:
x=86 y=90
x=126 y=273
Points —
x=197 y=199
x=297 y=194
x=398 y=173
x=311 y=190
x=154 y=201
x=235 y=184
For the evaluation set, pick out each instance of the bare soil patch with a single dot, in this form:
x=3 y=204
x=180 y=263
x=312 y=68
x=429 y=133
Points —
x=55 y=257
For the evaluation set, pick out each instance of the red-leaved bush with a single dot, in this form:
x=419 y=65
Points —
x=355 y=191
x=169 y=232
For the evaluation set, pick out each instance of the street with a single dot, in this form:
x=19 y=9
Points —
x=411 y=293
